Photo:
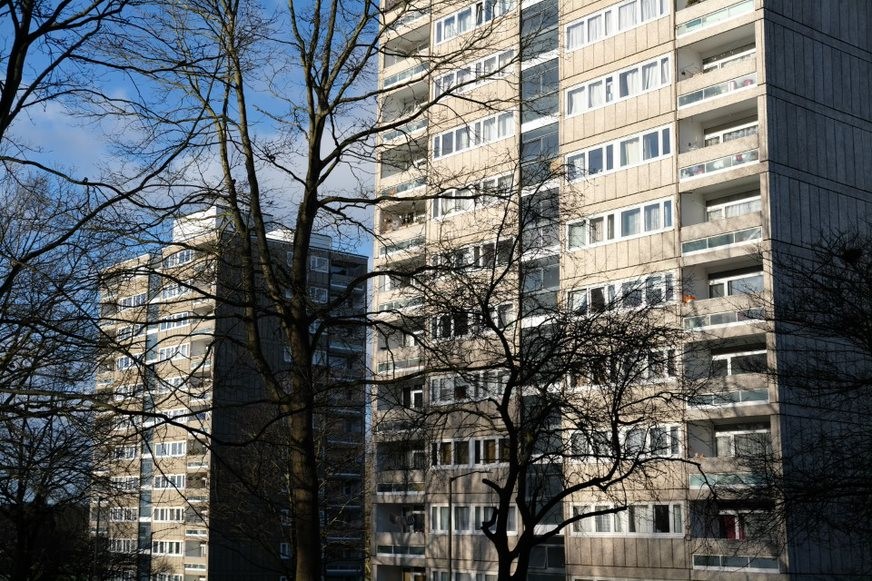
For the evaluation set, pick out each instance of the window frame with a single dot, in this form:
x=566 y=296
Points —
x=613 y=80
x=609 y=15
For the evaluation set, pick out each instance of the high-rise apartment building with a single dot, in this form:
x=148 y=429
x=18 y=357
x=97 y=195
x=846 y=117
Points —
x=199 y=487
x=673 y=143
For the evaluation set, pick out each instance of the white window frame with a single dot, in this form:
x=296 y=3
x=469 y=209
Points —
x=612 y=225
x=476 y=514
x=749 y=201
x=168 y=514
x=741 y=430
x=580 y=300
x=619 y=523
x=475 y=74
x=172 y=449
x=503 y=128
x=169 y=481
x=477 y=15
x=672 y=432
x=175 y=321
x=173 y=289
x=119 y=545
x=610 y=14
x=720 y=134
x=179 y=258
x=318 y=294
x=167 y=547
x=612 y=151
x=124 y=362
x=728 y=357
x=123 y=514
x=180 y=351
x=132 y=301
x=664 y=75
x=725 y=281
x=319 y=264
x=126 y=483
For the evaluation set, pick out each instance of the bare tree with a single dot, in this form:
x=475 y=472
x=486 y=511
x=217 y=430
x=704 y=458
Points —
x=565 y=397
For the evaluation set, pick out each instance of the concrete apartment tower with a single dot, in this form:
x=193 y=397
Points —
x=703 y=136
x=198 y=486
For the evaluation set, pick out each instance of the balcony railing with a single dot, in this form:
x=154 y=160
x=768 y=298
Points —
x=724 y=479
x=406 y=129
x=736 y=563
x=721 y=240
x=409 y=244
x=399 y=304
x=722 y=163
x=698 y=322
x=399 y=365
x=404 y=187
x=760 y=395
x=714 y=18
x=404 y=75
x=731 y=86
x=414 y=550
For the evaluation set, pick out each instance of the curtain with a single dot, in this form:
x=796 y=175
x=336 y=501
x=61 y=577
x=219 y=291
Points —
x=627 y=16
x=594 y=28
x=649 y=76
x=629 y=83
x=596 y=94
x=575 y=36
x=649 y=9
x=630 y=152
x=575 y=101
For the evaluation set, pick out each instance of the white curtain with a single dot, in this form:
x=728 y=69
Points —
x=575 y=36
x=575 y=101
x=594 y=28
x=649 y=9
x=596 y=94
x=629 y=82
x=627 y=16
x=649 y=76
x=630 y=153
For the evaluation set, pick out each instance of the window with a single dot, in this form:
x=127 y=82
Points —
x=732 y=206
x=742 y=440
x=172 y=548
x=182 y=351
x=742 y=525
x=285 y=550
x=738 y=362
x=633 y=520
x=175 y=321
x=481 y=132
x=453 y=201
x=470 y=17
x=482 y=384
x=123 y=363
x=319 y=264
x=630 y=82
x=168 y=449
x=124 y=452
x=125 y=483
x=122 y=514
x=169 y=514
x=643 y=220
x=169 y=481
x=132 y=301
x=179 y=258
x=468 y=518
x=123 y=545
x=474 y=75
x=318 y=294
x=739 y=282
x=660 y=440
x=173 y=289
x=630 y=152
x=451 y=326
x=600 y=25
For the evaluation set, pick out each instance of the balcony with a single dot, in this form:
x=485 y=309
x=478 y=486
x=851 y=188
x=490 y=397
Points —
x=710 y=15
x=410 y=74
x=409 y=245
x=402 y=215
x=688 y=96
x=405 y=131
x=733 y=239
